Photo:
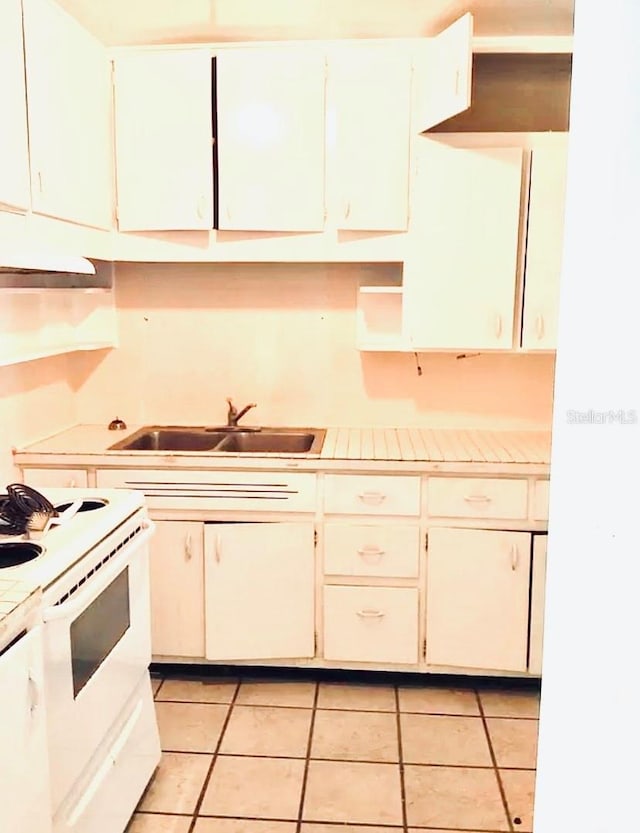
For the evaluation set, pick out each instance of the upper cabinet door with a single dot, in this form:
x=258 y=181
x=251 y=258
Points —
x=368 y=136
x=444 y=74
x=69 y=102
x=271 y=139
x=164 y=155
x=460 y=272
x=14 y=147
x=545 y=237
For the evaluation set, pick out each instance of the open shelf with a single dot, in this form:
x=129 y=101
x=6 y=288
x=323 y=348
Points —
x=379 y=319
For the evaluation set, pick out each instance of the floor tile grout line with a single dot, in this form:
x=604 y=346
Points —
x=207 y=778
x=403 y=795
x=307 y=759
x=503 y=795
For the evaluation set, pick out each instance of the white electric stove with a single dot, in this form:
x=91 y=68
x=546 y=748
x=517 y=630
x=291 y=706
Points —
x=102 y=734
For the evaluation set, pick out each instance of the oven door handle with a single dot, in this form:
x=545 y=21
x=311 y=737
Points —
x=105 y=576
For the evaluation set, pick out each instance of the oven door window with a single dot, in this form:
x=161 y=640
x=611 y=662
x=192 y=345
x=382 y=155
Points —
x=98 y=629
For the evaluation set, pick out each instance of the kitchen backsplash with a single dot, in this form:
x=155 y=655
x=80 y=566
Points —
x=283 y=336
x=36 y=400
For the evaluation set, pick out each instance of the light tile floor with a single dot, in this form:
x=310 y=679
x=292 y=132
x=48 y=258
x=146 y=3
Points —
x=304 y=757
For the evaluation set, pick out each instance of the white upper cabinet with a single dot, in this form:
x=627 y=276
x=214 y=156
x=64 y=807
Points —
x=14 y=146
x=460 y=272
x=163 y=126
x=368 y=137
x=443 y=87
x=271 y=139
x=69 y=105
x=545 y=234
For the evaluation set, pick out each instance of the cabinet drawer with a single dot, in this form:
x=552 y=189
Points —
x=541 y=501
x=474 y=497
x=371 y=624
x=220 y=490
x=65 y=478
x=367 y=550
x=355 y=495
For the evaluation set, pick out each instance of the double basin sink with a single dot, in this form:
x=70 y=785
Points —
x=229 y=439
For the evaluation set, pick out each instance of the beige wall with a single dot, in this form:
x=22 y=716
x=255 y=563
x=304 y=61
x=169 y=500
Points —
x=284 y=336
x=36 y=400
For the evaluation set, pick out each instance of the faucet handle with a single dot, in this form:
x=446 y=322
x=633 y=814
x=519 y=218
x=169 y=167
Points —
x=233 y=411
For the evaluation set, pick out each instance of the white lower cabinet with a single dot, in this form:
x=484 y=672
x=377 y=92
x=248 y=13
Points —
x=371 y=624
x=25 y=804
x=477 y=603
x=177 y=589
x=538 y=579
x=259 y=589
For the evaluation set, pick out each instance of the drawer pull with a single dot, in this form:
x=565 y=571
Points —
x=477 y=499
x=370 y=614
x=372 y=497
x=371 y=552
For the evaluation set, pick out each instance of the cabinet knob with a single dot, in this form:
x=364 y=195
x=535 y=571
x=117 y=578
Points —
x=539 y=326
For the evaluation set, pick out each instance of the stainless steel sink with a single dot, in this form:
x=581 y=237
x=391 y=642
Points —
x=268 y=442
x=170 y=439
x=224 y=439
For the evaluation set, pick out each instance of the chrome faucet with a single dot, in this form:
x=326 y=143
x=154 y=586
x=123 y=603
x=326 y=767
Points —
x=234 y=415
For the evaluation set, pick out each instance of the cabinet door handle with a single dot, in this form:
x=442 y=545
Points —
x=200 y=207
x=371 y=552
x=372 y=497
x=72 y=482
x=498 y=325
x=187 y=547
x=539 y=326
x=515 y=556
x=227 y=212
x=477 y=499
x=34 y=695
x=370 y=614
x=457 y=83
x=218 y=549
x=347 y=209
x=39 y=181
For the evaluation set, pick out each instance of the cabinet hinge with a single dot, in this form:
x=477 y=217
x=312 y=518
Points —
x=426 y=542
x=315 y=644
x=315 y=537
x=424 y=648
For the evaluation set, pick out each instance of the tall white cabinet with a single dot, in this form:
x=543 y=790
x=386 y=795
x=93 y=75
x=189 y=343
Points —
x=14 y=147
x=368 y=137
x=545 y=232
x=271 y=139
x=163 y=129
x=70 y=124
x=460 y=273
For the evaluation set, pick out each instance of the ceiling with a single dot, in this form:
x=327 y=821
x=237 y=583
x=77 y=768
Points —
x=129 y=22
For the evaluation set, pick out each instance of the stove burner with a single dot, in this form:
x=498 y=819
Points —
x=28 y=500
x=18 y=552
x=87 y=505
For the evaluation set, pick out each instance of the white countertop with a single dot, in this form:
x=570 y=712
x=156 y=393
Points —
x=395 y=448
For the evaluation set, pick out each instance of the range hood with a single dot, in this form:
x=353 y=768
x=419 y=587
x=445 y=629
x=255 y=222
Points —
x=17 y=262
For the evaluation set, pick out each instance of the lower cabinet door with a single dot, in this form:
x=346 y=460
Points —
x=177 y=589
x=478 y=598
x=538 y=580
x=259 y=590
x=371 y=624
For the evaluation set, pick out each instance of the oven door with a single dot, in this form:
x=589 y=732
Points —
x=97 y=649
